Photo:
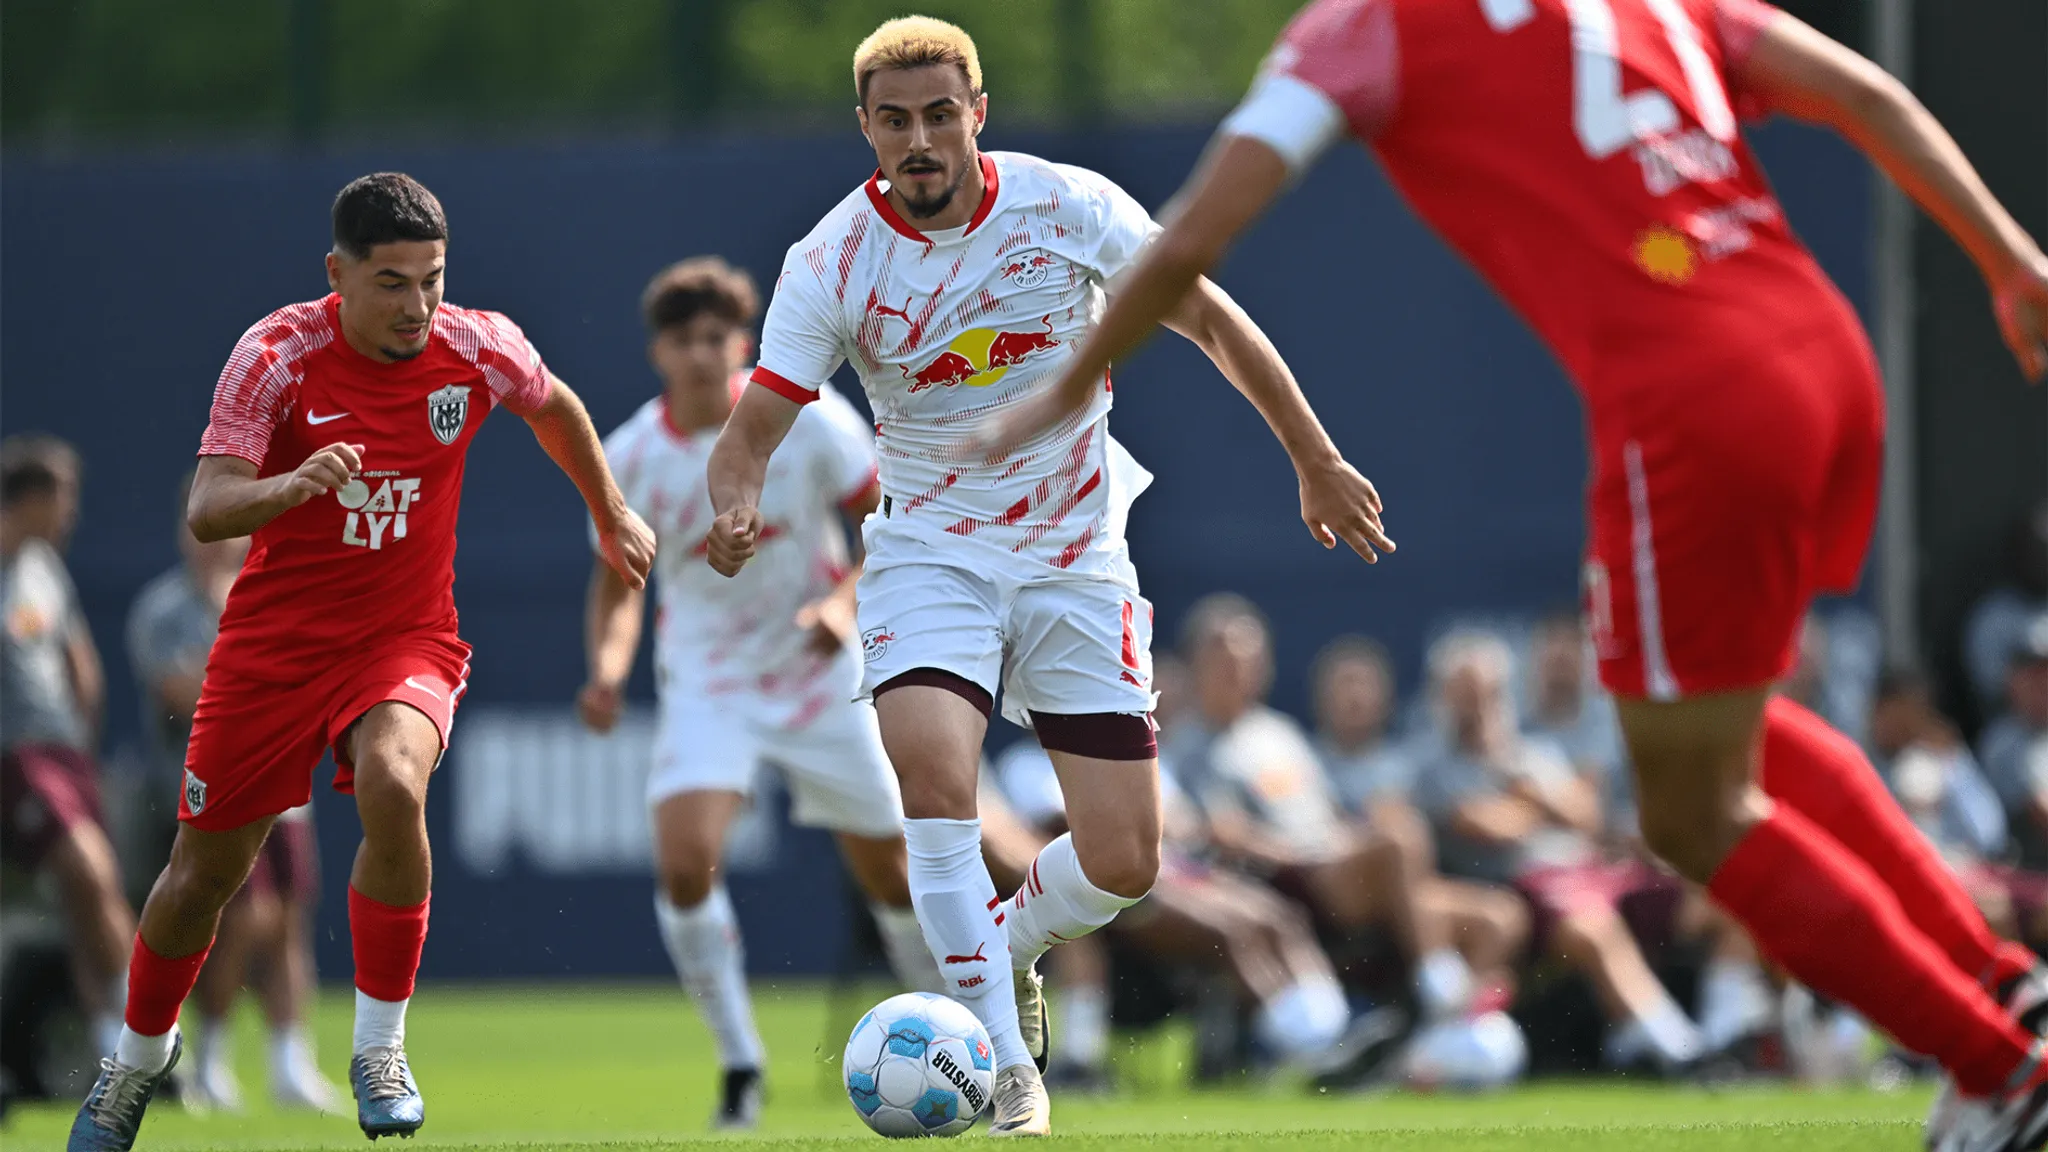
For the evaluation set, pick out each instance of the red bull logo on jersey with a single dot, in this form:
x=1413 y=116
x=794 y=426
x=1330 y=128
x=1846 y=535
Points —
x=376 y=515
x=979 y=357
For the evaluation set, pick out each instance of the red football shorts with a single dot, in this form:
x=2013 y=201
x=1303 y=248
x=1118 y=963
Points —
x=255 y=744
x=1721 y=502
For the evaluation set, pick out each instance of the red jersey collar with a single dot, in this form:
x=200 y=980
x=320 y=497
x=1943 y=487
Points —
x=887 y=210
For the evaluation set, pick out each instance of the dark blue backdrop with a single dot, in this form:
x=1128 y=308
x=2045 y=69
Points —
x=127 y=279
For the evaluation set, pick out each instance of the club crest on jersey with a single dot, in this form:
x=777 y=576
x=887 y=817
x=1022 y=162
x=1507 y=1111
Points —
x=1028 y=269
x=448 y=411
x=874 y=643
x=195 y=793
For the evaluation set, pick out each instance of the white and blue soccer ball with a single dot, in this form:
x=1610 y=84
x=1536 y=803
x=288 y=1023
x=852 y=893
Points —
x=919 y=1065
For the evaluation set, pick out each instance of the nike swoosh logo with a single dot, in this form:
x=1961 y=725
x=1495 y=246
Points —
x=312 y=419
x=412 y=683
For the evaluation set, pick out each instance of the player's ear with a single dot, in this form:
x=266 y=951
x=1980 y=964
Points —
x=334 y=271
x=980 y=112
x=860 y=113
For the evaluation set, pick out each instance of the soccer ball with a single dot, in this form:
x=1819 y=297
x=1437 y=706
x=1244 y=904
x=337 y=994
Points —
x=919 y=1065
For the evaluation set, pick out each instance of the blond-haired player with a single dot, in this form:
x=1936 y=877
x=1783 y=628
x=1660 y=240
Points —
x=957 y=284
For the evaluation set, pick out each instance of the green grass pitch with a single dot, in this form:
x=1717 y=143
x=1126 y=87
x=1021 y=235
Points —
x=539 y=1068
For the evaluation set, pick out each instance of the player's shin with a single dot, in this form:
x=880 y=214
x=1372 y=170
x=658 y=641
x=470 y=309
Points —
x=157 y=988
x=1057 y=903
x=1810 y=766
x=703 y=943
x=387 y=941
x=1821 y=912
x=963 y=921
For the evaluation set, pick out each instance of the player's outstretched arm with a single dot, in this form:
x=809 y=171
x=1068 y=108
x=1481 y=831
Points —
x=228 y=499
x=738 y=468
x=1336 y=502
x=1235 y=181
x=563 y=427
x=1804 y=74
x=612 y=618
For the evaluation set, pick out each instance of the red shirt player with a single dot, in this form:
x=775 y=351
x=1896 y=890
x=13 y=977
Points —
x=337 y=440
x=1585 y=156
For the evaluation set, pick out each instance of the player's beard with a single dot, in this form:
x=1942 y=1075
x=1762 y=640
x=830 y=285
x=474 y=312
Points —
x=927 y=208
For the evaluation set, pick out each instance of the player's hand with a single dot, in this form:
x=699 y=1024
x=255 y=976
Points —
x=628 y=546
x=733 y=538
x=324 y=471
x=1001 y=434
x=599 y=705
x=2021 y=303
x=830 y=622
x=1339 y=504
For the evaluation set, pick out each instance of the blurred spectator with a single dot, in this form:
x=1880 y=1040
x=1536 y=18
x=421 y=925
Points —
x=1192 y=915
x=1936 y=780
x=1353 y=682
x=51 y=693
x=1997 y=621
x=2014 y=747
x=1565 y=703
x=1510 y=810
x=1267 y=806
x=171 y=629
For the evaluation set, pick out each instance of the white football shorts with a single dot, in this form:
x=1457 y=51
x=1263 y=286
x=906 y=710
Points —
x=1066 y=645
x=830 y=757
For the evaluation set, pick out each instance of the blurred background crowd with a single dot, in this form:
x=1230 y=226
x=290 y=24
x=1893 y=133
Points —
x=1442 y=886
x=1401 y=844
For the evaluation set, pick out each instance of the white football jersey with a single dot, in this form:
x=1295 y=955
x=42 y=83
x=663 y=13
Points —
x=946 y=328
x=720 y=636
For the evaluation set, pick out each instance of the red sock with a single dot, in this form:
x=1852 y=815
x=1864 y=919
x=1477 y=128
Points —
x=1821 y=772
x=1818 y=909
x=387 y=941
x=157 y=987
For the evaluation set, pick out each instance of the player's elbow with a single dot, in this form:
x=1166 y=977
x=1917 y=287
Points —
x=202 y=526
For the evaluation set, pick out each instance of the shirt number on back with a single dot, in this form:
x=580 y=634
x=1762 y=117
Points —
x=1606 y=118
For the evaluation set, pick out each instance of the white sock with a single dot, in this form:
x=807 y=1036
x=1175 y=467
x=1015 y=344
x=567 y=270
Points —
x=148 y=1053
x=1734 y=1002
x=211 y=1046
x=1443 y=983
x=379 y=1023
x=106 y=1027
x=106 y=1032
x=704 y=944
x=957 y=904
x=290 y=1050
x=1057 y=903
x=1301 y=1020
x=1084 y=1026
x=1665 y=1031
x=909 y=956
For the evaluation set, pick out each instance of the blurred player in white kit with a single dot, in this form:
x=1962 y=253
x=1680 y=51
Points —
x=957 y=283
x=750 y=670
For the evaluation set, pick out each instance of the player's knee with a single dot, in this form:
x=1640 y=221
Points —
x=1127 y=867
x=200 y=885
x=390 y=783
x=687 y=874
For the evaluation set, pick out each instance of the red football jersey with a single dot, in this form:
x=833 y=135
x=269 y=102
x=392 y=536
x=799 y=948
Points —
x=377 y=556
x=1585 y=156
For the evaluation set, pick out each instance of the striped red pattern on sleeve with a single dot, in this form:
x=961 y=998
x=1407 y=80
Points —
x=260 y=384
x=510 y=365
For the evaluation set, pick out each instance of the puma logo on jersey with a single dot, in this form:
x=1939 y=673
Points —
x=877 y=308
x=977 y=958
x=376 y=517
